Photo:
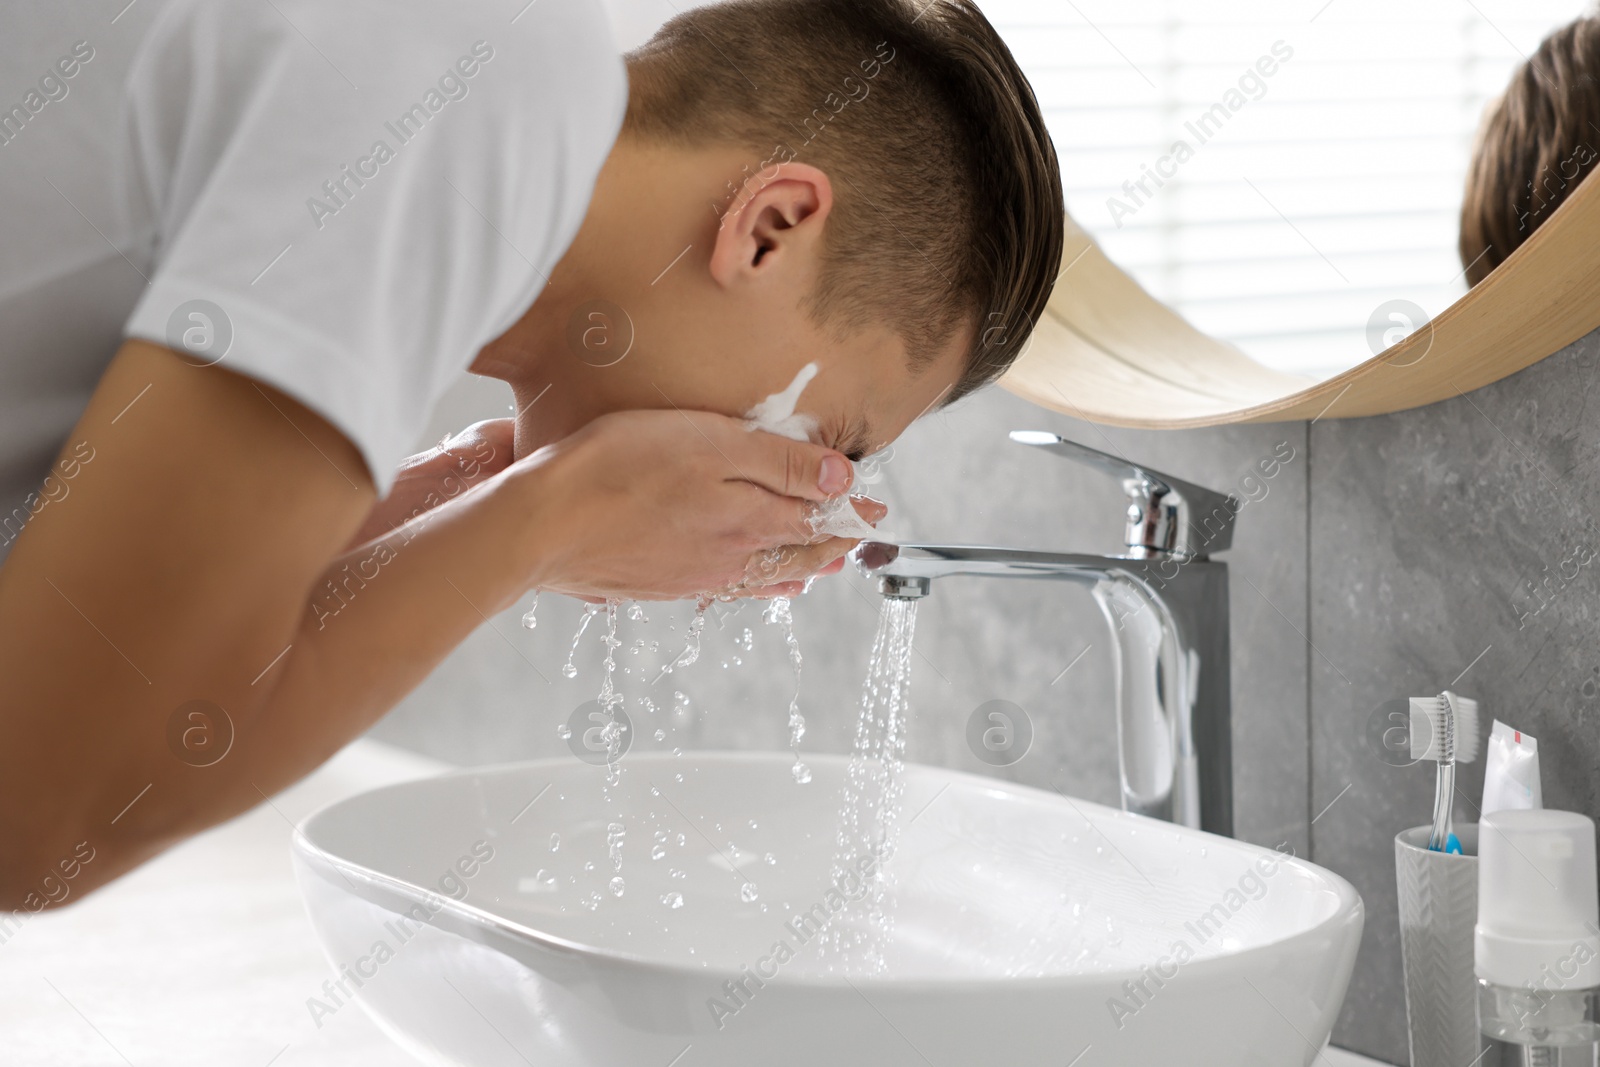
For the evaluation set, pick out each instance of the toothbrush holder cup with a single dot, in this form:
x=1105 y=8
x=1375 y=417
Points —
x=1438 y=895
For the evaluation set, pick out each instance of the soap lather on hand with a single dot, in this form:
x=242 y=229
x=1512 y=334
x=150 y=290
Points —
x=776 y=415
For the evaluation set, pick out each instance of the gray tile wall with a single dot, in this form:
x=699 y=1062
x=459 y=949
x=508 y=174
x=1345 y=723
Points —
x=1430 y=530
x=1391 y=555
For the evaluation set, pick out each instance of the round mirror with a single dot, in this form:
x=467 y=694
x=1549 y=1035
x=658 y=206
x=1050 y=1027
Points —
x=1286 y=176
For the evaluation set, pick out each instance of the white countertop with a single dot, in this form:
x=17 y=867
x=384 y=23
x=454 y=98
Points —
x=204 y=956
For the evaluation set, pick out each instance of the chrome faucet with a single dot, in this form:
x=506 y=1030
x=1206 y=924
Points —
x=1165 y=603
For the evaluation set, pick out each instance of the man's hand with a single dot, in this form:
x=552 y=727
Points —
x=663 y=505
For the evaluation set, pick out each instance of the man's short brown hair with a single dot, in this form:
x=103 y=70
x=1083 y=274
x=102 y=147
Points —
x=1536 y=144
x=948 y=210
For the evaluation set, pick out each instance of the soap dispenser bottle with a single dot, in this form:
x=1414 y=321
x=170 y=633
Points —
x=1537 y=943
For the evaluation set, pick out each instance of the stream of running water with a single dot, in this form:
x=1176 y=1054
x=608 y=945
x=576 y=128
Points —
x=869 y=811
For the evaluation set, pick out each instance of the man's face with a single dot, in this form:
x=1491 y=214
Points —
x=672 y=298
x=695 y=357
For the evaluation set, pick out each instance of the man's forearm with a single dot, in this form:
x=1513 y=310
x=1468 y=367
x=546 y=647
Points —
x=381 y=619
x=176 y=569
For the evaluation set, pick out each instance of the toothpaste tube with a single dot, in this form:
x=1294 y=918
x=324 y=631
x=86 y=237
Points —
x=1511 y=774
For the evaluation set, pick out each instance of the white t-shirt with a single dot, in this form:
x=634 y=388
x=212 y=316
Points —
x=343 y=199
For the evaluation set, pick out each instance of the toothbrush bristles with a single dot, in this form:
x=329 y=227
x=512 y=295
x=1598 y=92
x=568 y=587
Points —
x=1444 y=728
x=1466 y=727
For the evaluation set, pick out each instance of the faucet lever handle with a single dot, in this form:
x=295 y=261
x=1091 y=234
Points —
x=1166 y=515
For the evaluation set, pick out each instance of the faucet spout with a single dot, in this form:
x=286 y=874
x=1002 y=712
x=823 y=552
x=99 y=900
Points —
x=896 y=565
x=1167 y=618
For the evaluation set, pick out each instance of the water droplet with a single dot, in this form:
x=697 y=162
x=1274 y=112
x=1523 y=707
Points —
x=636 y=612
x=801 y=772
x=541 y=882
x=661 y=735
x=570 y=669
x=618 y=886
x=528 y=619
x=615 y=834
x=691 y=647
x=673 y=900
x=563 y=731
x=555 y=842
x=770 y=860
x=747 y=892
x=659 y=852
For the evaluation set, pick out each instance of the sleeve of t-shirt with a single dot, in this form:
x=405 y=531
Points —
x=348 y=200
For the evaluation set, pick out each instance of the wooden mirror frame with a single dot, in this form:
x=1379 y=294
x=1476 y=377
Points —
x=1109 y=352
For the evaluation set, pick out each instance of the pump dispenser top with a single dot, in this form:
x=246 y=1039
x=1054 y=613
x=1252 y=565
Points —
x=1538 y=916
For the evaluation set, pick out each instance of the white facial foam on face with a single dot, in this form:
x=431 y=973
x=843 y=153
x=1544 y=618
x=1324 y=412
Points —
x=776 y=415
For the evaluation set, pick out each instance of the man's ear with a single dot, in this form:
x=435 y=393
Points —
x=777 y=218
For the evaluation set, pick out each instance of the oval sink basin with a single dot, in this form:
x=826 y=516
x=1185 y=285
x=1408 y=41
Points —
x=474 y=915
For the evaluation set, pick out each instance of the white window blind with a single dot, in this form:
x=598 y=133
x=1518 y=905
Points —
x=1331 y=186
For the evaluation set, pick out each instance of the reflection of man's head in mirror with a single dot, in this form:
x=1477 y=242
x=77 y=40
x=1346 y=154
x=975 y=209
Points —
x=1537 y=142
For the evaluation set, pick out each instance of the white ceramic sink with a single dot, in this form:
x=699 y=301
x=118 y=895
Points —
x=1022 y=924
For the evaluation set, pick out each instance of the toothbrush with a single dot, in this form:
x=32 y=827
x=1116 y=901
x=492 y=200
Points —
x=1444 y=729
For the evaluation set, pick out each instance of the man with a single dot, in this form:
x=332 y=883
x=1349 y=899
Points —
x=241 y=266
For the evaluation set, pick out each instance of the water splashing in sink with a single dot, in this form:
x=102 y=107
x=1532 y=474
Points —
x=570 y=669
x=691 y=646
x=779 y=613
x=616 y=833
x=609 y=699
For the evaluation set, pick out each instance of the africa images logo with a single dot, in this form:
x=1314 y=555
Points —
x=200 y=332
